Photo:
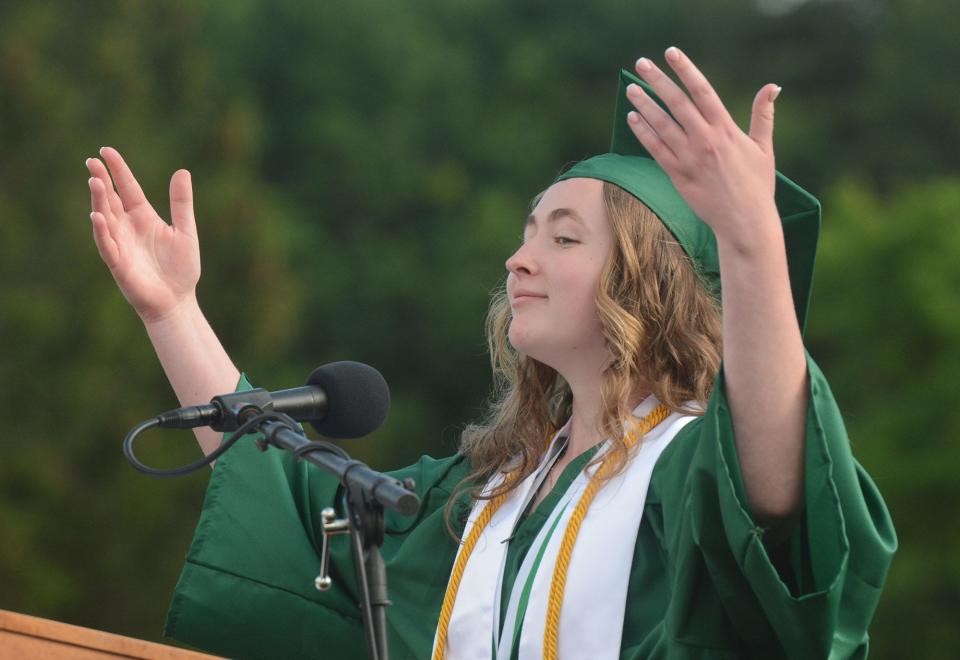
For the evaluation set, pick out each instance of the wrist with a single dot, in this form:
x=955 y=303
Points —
x=752 y=235
x=183 y=311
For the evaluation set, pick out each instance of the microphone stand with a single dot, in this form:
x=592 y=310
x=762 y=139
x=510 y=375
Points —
x=366 y=494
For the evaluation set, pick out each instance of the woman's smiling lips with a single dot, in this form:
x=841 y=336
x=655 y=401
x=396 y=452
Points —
x=522 y=296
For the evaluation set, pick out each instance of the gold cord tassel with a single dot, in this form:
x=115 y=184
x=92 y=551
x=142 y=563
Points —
x=453 y=585
x=559 y=581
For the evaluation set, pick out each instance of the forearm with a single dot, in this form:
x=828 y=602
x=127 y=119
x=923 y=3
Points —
x=764 y=370
x=194 y=361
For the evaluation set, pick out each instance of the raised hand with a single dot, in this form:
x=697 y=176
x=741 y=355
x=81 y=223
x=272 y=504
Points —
x=728 y=178
x=725 y=175
x=156 y=265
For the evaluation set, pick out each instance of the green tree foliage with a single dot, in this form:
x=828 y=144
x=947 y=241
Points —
x=84 y=538
x=362 y=171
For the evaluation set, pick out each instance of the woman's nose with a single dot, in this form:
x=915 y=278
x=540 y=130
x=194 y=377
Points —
x=522 y=261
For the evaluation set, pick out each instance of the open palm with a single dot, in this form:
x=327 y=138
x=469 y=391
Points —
x=156 y=265
x=725 y=175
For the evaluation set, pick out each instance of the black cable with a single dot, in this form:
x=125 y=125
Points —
x=319 y=445
x=245 y=428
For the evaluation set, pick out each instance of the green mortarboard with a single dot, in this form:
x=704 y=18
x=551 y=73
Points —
x=631 y=167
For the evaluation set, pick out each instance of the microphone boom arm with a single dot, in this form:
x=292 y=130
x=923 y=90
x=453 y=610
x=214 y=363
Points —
x=377 y=486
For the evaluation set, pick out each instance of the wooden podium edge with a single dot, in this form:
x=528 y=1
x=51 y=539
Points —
x=87 y=638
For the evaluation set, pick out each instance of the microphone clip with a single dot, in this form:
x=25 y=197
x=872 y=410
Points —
x=238 y=408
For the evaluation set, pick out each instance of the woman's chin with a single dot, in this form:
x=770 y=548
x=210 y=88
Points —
x=521 y=338
x=527 y=344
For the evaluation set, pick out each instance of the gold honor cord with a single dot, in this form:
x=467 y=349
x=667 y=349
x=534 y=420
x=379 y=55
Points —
x=559 y=580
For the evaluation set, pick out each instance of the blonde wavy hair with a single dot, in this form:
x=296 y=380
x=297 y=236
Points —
x=662 y=327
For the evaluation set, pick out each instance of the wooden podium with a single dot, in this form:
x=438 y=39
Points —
x=23 y=636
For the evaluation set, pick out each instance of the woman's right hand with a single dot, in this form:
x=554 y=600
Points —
x=156 y=265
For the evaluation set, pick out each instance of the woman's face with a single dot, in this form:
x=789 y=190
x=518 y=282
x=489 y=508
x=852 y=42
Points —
x=554 y=276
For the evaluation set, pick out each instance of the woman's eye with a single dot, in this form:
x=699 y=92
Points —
x=563 y=241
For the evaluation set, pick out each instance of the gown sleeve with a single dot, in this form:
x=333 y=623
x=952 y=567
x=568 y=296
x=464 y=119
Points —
x=814 y=593
x=247 y=587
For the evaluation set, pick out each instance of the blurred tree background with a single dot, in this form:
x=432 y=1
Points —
x=361 y=172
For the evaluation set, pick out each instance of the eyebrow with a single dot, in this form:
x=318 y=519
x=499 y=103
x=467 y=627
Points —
x=556 y=214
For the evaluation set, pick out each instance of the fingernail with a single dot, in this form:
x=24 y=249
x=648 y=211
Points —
x=672 y=54
x=90 y=181
x=91 y=216
x=87 y=162
x=775 y=94
x=633 y=117
x=101 y=150
x=643 y=64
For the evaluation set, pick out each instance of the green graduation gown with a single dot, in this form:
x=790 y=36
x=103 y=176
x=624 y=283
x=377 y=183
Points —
x=703 y=584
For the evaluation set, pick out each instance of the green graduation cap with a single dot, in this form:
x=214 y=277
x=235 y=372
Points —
x=631 y=167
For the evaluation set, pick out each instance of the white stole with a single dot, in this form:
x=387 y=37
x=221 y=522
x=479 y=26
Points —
x=591 y=619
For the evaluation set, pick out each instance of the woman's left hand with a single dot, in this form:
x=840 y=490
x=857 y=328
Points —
x=728 y=179
x=725 y=175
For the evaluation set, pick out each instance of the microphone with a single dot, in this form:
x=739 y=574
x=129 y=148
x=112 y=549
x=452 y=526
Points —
x=340 y=400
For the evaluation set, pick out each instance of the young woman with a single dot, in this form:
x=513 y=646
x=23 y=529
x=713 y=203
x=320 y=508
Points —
x=626 y=496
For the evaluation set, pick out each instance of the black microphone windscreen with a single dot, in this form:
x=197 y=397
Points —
x=358 y=399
